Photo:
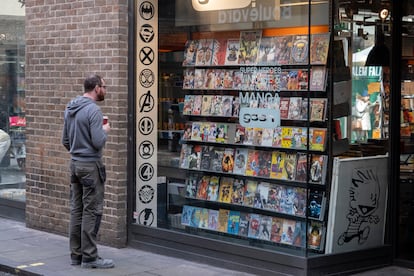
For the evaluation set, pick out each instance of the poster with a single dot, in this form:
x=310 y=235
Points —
x=357 y=208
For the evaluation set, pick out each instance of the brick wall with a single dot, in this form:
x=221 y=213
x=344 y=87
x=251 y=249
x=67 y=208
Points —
x=65 y=41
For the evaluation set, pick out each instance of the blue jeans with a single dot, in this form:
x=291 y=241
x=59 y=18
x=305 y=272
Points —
x=86 y=206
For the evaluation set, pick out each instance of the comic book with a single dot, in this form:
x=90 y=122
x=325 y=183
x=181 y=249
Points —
x=316 y=205
x=288 y=229
x=293 y=79
x=190 y=52
x=195 y=218
x=252 y=166
x=199 y=82
x=188 y=104
x=318 y=78
x=265 y=228
x=319 y=48
x=233 y=222
x=206 y=105
x=248 y=136
x=265 y=164
x=227 y=163
x=318 y=167
x=267 y=51
x=232 y=51
x=249 y=46
x=203 y=223
x=236 y=107
x=283 y=80
x=317 y=139
x=283 y=49
x=197 y=131
x=204 y=52
x=227 y=106
x=299 y=52
x=295 y=108
x=197 y=105
x=301 y=167
x=191 y=186
x=254 y=226
x=223 y=220
x=226 y=189
x=318 y=109
x=202 y=187
x=267 y=137
x=249 y=192
x=212 y=132
x=300 y=202
x=213 y=188
x=273 y=198
x=218 y=79
x=303 y=78
x=212 y=219
x=186 y=214
x=240 y=161
x=222 y=133
x=188 y=78
x=299 y=235
x=216 y=159
x=261 y=195
x=278 y=163
x=299 y=138
x=284 y=108
x=304 y=109
x=209 y=78
x=187 y=131
x=244 y=224
x=219 y=52
x=207 y=153
x=290 y=165
x=184 y=155
x=276 y=231
x=216 y=105
x=238 y=192
x=316 y=235
x=228 y=79
x=287 y=137
x=277 y=137
x=239 y=135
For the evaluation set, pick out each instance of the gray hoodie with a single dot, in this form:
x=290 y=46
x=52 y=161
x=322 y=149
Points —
x=83 y=135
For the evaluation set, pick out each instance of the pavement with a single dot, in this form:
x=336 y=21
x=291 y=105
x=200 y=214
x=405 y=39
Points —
x=30 y=252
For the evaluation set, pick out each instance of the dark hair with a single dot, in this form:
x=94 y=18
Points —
x=92 y=81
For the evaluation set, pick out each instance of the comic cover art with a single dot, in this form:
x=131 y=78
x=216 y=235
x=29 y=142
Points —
x=222 y=133
x=249 y=192
x=226 y=189
x=287 y=137
x=274 y=197
x=303 y=80
x=195 y=218
x=277 y=137
x=249 y=47
x=267 y=51
x=223 y=220
x=212 y=219
x=318 y=168
x=187 y=131
x=265 y=163
x=318 y=109
x=244 y=224
x=238 y=192
x=204 y=52
x=239 y=135
x=213 y=188
x=196 y=131
x=219 y=52
x=216 y=107
x=278 y=163
x=202 y=187
x=207 y=153
x=295 y=108
x=283 y=49
x=188 y=104
x=227 y=163
x=317 y=80
x=299 y=235
x=304 y=109
x=190 y=52
x=206 y=105
x=197 y=105
x=300 y=202
x=287 y=203
x=252 y=167
x=216 y=159
x=319 y=48
x=188 y=78
x=299 y=138
x=191 y=186
x=316 y=205
x=302 y=167
x=276 y=231
x=184 y=154
x=228 y=79
x=288 y=229
x=261 y=195
x=240 y=161
x=209 y=78
x=290 y=166
x=316 y=235
x=232 y=51
x=227 y=106
x=203 y=222
x=299 y=52
x=284 y=108
x=254 y=226
x=265 y=228
x=199 y=75
x=248 y=136
x=318 y=139
x=236 y=107
x=212 y=132
x=187 y=214
x=233 y=223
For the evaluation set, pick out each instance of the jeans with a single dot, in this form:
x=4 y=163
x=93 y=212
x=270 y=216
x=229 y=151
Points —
x=86 y=207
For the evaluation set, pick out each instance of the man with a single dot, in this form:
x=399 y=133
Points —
x=84 y=136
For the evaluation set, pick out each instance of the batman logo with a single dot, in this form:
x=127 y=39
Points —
x=146 y=10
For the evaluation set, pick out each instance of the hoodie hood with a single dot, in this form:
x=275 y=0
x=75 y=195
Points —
x=77 y=104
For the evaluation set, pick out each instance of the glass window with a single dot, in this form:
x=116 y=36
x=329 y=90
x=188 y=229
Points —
x=12 y=101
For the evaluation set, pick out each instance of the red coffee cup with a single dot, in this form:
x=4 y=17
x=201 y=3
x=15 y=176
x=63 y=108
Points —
x=105 y=120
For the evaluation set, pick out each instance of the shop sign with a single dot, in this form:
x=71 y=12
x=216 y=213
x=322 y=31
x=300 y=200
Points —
x=146 y=73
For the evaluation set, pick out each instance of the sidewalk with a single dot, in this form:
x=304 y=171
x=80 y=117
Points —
x=40 y=253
